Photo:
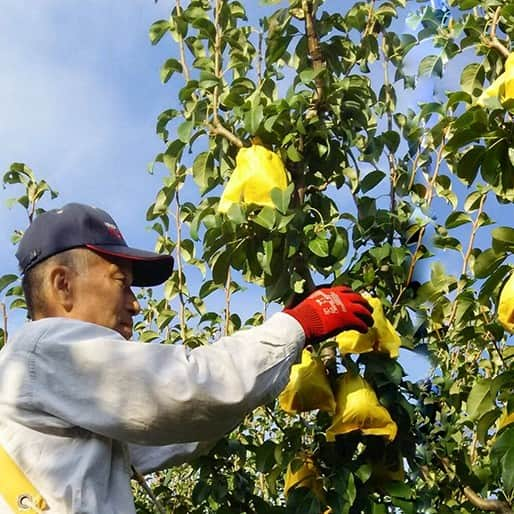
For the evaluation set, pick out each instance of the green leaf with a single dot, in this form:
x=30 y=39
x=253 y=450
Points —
x=405 y=506
x=472 y=78
x=456 y=219
x=254 y=115
x=486 y=262
x=479 y=399
x=207 y=288
x=220 y=267
x=148 y=335
x=265 y=456
x=502 y=457
x=168 y=68
x=184 y=131
x=319 y=247
x=446 y=242
x=308 y=75
x=503 y=239
x=371 y=180
x=266 y=217
x=378 y=508
x=467 y=167
x=293 y=154
x=430 y=65
x=398 y=489
x=282 y=197
x=469 y=4
x=265 y=257
x=392 y=140
x=503 y=381
x=472 y=201
x=485 y=422
x=157 y=30
x=6 y=280
x=339 y=243
x=236 y=214
x=204 y=173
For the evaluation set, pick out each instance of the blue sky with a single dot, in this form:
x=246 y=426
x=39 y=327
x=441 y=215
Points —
x=81 y=94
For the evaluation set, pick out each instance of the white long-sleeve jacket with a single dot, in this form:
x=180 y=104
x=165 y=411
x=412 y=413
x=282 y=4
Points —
x=79 y=404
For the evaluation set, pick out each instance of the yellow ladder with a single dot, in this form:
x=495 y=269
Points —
x=17 y=490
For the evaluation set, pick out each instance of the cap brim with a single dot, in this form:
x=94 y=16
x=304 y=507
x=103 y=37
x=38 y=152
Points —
x=148 y=268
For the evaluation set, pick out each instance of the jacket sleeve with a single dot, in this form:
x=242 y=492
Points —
x=147 y=459
x=157 y=394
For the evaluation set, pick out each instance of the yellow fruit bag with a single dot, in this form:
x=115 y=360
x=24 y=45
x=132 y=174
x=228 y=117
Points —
x=502 y=89
x=358 y=408
x=258 y=171
x=302 y=472
x=381 y=337
x=308 y=387
x=506 y=305
x=505 y=419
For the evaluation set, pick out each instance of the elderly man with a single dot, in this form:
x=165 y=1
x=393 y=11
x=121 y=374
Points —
x=79 y=404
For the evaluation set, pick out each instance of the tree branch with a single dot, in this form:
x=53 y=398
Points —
x=182 y=306
x=486 y=504
x=217 y=129
x=217 y=60
x=393 y=168
x=313 y=46
x=227 y=302
x=492 y=41
x=489 y=505
x=183 y=62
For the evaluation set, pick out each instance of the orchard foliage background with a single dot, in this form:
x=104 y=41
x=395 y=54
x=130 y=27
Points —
x=407 y=198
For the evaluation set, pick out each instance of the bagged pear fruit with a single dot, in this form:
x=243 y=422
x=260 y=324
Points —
x=506 y=305
x=381 y=337
x=258 y=171
x=308 y=387
x=502 y=89
x=302 y=472
x=358 y=408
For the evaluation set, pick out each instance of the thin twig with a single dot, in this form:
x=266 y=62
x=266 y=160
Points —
x=227 y=302
x=182 y=51
x=467 y=256
x=4 y=320
x=429 y=196
x=393 y=170
x=493 y=41
x=259 y=57
x=182 y=306
x=272 y=416
x=142 y=482
x=217 y=60
x=415 y=165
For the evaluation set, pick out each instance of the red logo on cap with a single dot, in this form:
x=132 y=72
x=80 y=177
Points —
x=114 y=231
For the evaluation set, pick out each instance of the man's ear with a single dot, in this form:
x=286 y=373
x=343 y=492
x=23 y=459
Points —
x=60 y=290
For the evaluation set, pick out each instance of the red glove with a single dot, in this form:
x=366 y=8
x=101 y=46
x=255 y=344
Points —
x=330 y=310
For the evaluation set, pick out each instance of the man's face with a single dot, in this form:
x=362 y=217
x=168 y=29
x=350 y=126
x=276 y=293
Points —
x=102 y=294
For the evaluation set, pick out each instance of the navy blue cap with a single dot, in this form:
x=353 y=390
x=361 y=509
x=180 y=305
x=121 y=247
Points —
x=77 y=225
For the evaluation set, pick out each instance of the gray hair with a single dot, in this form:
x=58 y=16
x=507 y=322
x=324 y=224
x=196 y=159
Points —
x=33 y=281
